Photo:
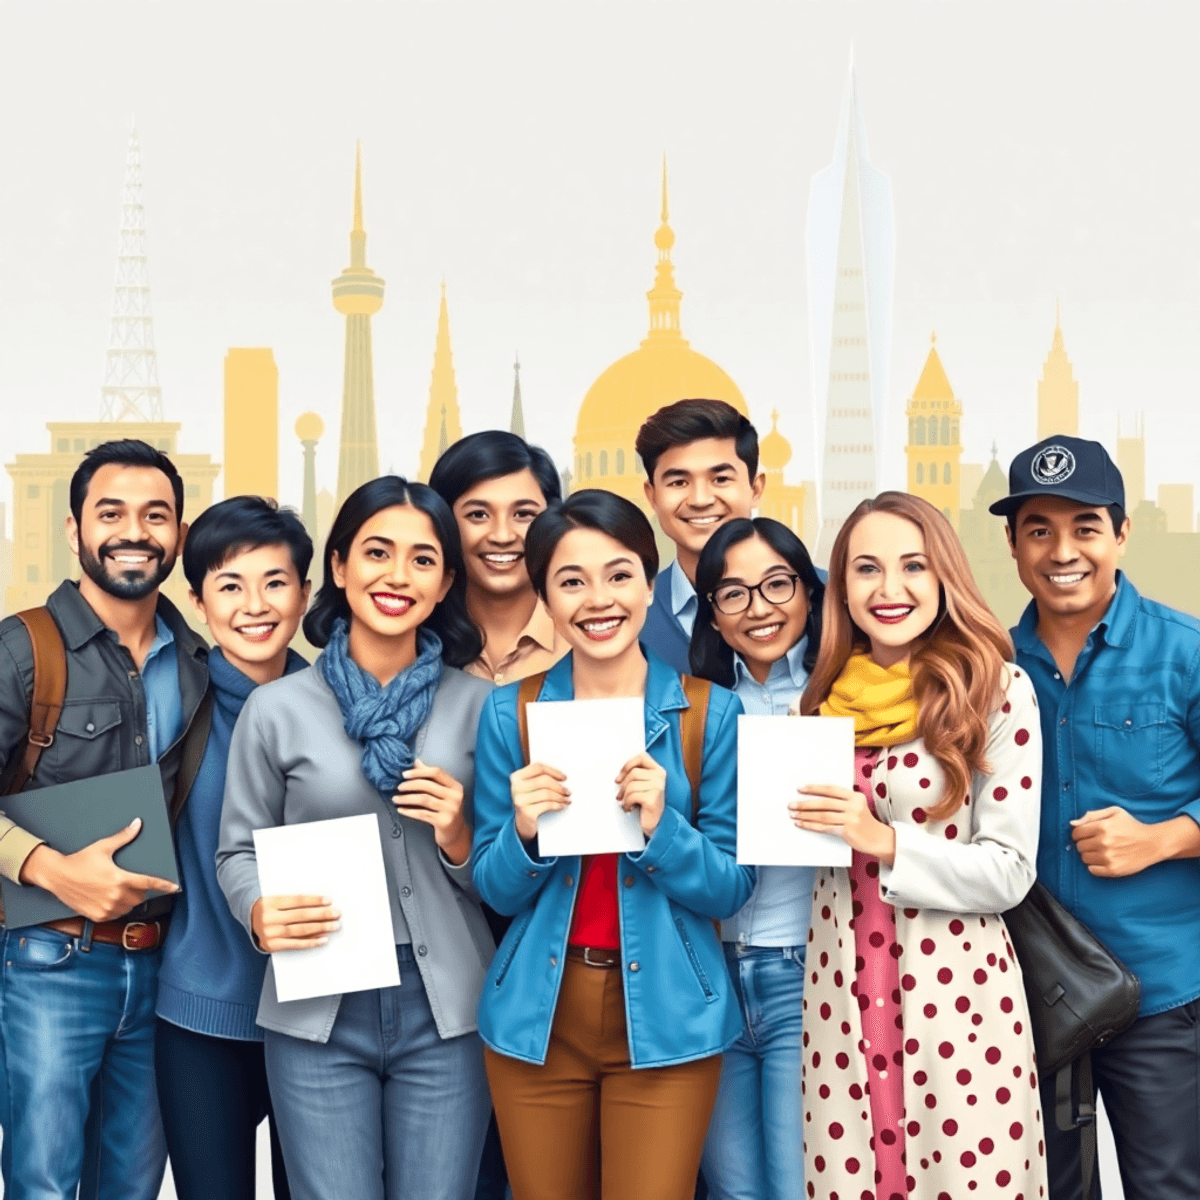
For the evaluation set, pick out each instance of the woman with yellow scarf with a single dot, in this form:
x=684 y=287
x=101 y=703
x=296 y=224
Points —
x=919 y=1074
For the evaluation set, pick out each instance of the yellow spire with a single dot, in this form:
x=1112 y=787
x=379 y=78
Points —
x=443 y=426
x=1058 y=390
x=933 y=384
x=358 y=235
x=664 y=296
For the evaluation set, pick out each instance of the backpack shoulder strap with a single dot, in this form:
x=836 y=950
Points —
x=692 y=722
x=49 y=690
x=195 y=742
x=530 y=689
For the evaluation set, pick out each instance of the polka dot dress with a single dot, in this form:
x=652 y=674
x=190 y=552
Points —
x=943 y=1105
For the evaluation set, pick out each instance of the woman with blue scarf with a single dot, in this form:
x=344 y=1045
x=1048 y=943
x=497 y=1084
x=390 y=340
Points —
x=377 y=1094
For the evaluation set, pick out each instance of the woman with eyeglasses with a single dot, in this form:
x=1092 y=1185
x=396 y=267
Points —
x=757 y=630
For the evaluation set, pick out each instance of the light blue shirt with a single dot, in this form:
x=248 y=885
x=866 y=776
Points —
x=683 y=598
x=778 y=911
x=160 y=682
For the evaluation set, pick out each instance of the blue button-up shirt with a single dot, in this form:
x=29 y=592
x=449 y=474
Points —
x=1125 y=731
x=778 y=911
x=160 y=682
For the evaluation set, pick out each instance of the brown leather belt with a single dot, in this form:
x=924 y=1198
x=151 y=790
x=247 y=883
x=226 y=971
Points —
x=593 y=956
x=129 y=935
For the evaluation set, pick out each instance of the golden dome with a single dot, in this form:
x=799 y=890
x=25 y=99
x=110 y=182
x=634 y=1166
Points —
x=659 y=372
x=774 y=451
x=662 y=370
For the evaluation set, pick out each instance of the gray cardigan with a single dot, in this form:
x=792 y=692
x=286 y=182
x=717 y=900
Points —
x=290 y=761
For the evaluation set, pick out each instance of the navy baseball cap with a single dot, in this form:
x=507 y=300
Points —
x=1070 y=467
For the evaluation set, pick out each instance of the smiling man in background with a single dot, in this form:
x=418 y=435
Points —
x=79 y=1105
x=1118 y=685
x=701 y=462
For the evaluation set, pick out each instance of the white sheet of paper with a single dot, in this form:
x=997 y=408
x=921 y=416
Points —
x=589 y=741
x=776 y=755
x=341 y=859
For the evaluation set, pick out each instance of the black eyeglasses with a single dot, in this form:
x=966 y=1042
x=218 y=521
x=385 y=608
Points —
x=735 y=598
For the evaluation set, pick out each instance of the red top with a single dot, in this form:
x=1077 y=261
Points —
x=596 y=922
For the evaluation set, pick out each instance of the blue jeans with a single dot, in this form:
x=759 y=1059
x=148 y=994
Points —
x=385 y=1108
x=80 y=1106
x=755 y=1144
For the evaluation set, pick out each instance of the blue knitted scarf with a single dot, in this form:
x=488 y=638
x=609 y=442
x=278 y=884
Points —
x=383 y=720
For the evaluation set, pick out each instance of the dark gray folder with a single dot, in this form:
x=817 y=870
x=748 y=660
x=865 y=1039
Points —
x=72 y=815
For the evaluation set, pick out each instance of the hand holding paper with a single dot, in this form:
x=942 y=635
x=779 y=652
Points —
x=342 y=859
x=588 y=744
x=776 y=756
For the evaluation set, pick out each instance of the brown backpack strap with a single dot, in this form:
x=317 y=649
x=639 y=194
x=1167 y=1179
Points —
x=692 y=721
x=49 y=690
x=530 y=689
x=195 y=742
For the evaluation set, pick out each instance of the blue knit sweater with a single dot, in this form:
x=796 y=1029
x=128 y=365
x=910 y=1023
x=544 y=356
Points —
x=211 y=975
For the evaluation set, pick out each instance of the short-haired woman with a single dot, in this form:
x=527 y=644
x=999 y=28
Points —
x=757 y=631
x=377 y=1093
x=919 y=1073
x=607 y=1007
x=246 y=563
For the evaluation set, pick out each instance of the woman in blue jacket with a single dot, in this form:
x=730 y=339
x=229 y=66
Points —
x=607 y=1006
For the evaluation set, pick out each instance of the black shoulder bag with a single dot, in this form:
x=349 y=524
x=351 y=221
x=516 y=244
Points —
x=1080 y=996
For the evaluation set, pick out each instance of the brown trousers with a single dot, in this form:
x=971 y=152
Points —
x=586 y=1126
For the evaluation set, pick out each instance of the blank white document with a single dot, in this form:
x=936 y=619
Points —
x=589 y=741
x=776 y=756
x=341 y=859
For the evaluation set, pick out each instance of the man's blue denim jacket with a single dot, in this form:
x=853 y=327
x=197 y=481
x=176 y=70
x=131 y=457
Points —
x=678 y=1001
x=1125 y=731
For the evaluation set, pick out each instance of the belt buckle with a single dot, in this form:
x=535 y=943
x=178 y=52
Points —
x=134 y=925
x=587 y=950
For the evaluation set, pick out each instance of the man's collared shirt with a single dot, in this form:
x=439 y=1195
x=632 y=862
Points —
x=1125 y=731
x=538 y=648
x=160 y=682
x=683 y=598
x=777 y=913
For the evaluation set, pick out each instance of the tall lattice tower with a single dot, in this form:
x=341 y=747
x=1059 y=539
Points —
x=443 y=423
x=358 y=293
x=130 y=391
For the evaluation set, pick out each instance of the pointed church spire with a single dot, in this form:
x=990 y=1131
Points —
x=517 y=423
x=443 y=426
x=664 y=296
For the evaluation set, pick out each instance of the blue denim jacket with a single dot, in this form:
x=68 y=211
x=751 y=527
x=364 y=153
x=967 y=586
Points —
x=678 y=1001
x=1125 y=731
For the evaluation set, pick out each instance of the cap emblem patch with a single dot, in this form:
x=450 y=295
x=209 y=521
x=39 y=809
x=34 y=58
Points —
x=1053 y=464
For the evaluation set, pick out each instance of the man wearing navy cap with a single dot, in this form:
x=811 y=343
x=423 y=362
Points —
x=1118 y=685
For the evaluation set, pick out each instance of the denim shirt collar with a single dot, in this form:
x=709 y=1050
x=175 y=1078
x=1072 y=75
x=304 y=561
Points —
x=792 y=663
x=1115 y=627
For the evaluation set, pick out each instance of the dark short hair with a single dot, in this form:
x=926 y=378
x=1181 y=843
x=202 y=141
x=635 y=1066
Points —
x=242 y=523
x=490 y=454
x=709 y=655
x=592 y=508
x=124 y=452
x=461 y=641
x=1116 y=514
x=690 y=421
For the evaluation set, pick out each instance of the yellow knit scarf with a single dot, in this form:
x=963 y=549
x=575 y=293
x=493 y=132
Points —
x=880 y=699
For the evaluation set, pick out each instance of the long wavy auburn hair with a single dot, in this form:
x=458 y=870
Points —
x=957 y=664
